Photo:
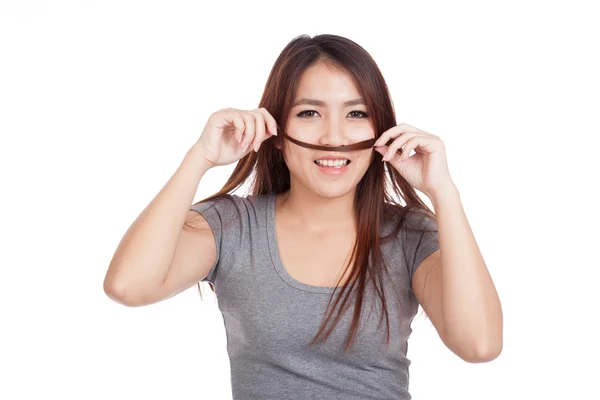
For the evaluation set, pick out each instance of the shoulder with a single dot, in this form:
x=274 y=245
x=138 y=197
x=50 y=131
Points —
x=420 y=219
x=235 y=221
x=408 y=227
x=232 y=206
x=413 y=232
x=402 y=220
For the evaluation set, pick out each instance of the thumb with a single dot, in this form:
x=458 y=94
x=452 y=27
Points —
x=395 y=160
x=381 y=149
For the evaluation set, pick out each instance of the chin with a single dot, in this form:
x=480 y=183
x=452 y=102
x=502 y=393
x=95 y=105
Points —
x=333 y=192
x=331 y=189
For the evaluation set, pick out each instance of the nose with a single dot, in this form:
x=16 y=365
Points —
x=333 y=135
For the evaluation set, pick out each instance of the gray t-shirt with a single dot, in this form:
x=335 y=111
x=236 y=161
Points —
x=270 y=318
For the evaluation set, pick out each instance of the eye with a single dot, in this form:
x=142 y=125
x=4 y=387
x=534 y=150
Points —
x=362 y=113
x=356 y=113
x=303 y=113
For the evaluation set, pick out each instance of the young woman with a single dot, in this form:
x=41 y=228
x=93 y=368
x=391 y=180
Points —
x=332 y=242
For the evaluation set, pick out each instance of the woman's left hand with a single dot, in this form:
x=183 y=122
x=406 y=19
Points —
x=426 y=170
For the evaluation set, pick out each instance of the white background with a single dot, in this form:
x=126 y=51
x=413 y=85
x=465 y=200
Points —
x=100 y=100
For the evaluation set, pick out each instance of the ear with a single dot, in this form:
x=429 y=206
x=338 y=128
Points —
x=277 y=143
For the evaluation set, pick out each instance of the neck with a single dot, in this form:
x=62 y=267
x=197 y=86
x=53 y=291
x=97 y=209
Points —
x=318 y=213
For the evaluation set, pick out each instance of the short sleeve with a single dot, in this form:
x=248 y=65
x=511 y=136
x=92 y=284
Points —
x=225 y=218
x=420 y=238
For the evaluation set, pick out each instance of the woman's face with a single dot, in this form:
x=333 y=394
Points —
x=328 y=110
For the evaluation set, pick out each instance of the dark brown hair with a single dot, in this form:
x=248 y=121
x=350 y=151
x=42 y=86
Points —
x=376 y=192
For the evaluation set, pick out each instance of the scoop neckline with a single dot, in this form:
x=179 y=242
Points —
x=276 y=257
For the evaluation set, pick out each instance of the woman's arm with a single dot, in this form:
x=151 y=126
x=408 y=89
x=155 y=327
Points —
x=454 y=286
x=157 y=240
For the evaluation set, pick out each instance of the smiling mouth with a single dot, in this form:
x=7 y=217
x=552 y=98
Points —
x=332 y=163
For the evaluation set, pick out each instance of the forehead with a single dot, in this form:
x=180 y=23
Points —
x=327 y=83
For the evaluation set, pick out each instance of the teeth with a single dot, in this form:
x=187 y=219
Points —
x=332 y=163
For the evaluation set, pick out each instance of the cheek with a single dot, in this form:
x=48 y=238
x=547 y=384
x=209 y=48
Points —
x=367 y=157
x=293 y=158
x=362 y=133
x=364 y=162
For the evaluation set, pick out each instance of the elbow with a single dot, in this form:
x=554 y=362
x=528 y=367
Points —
x=482 y=352
x=477 y=350
x=134 y=294
x=484 y=355
x=114 y=291
x=117 y=292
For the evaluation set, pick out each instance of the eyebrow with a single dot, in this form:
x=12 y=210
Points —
x=313 y=102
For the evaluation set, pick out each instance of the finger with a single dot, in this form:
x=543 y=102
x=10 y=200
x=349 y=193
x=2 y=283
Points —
x=259 y=124
x=269 y=120
x=389 y=134
x=249 y=131
x=411 y=145
x=392 y=134
x=422 y=144
x=233 y=117
x=382 y=149
x=411 y=128
x=397 y=146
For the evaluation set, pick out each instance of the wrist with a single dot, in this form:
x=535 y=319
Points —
x=198 y=155
x=448 y=191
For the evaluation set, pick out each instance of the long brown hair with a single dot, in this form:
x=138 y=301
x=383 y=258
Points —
x=376 y=192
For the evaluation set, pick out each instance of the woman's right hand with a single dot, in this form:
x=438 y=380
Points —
x=229 y=133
